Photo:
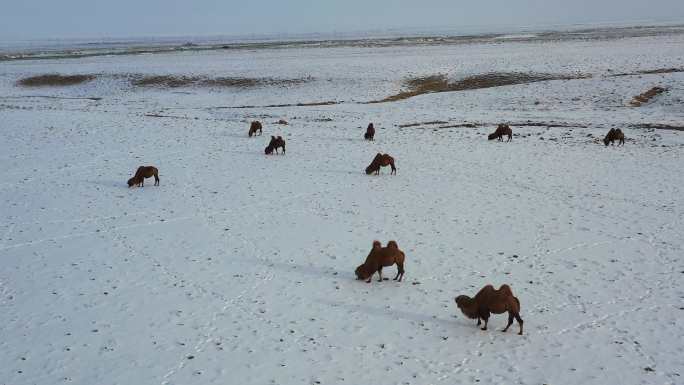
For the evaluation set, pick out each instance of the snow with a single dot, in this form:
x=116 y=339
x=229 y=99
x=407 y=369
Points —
x=238 y=268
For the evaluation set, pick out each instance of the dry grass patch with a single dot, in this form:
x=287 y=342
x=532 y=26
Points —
x=54 y=80
x=174 y=81
x=440 y=83
x=645 y=97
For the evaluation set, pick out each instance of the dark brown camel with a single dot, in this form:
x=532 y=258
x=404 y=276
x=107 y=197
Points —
x=254 y=127
x=501 y=130
x=381 y=160
x=274 y=144
x=142 y=173
x=370 y=132
x=613 y=135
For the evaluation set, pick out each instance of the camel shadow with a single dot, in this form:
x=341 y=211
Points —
x=393 y=313
x=310 y=270
x=119 y=184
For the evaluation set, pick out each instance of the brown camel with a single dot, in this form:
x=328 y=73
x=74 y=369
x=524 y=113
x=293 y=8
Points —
x=613 y=135
x=142 y=173
x=381 y=160
x=370 y=132
x=274 y=144
x=501 y=130
x=488 y=300
x=254 y=127
x=380 y=257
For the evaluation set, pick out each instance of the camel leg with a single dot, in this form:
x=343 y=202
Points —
x=520 y=322
x=156 y=180
x=400 y=272
x=479 y=321
x=510 y=321
x=283 y=150
x=380 y=274
x=484 y=314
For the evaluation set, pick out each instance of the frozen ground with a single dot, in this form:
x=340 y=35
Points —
x=239 y=267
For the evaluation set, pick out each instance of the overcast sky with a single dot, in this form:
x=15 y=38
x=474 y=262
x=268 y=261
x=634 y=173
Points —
x=25 y=19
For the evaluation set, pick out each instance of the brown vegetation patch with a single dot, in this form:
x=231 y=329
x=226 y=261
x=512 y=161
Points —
x=327 y=103
x=657 y=126
x=527 y=123
x=461 y=125
x=651 y=72
x=440 y=83
x=174 y=81
x=422 y=124
x=54 y=80
x=645 y=97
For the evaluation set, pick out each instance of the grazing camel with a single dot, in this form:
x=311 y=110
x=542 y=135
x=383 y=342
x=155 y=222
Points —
x=274 y=144
x=381 y=160
x=501 y=130
x=613 y=135
x=488 y=300
x=254 y=127
x=142 y=173
x=380 y=257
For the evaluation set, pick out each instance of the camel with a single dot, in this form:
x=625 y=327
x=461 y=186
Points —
x=381 y=160
x=488 y=300
x=613 y=135
x=501 y=130
x=380 y=257
x=274 y=144
x=254 y=127
x=144 y=172
x=370 y=132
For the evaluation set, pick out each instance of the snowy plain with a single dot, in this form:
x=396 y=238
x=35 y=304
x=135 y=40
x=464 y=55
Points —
x=238 y=268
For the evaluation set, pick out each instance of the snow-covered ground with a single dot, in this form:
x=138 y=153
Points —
x=238 y=268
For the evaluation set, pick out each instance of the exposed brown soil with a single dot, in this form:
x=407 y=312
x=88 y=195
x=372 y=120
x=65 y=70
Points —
x=327 y=103
x=174 y=81
x=462 y=125
x=440 y=83
x=422 y=124
x=528 y=123
x=645 y=97
x=657 y=126
x=651 y=72
x=54 y=80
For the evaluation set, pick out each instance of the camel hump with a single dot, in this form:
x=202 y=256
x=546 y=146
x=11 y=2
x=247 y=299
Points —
x=376 y=244
x=392 y=245
x=401 y=256
x=505 y=289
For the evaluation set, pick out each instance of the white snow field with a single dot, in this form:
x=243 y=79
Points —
x=238 y=268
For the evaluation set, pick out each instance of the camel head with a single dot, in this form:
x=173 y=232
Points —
x=466 y=303
x=361 y=272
